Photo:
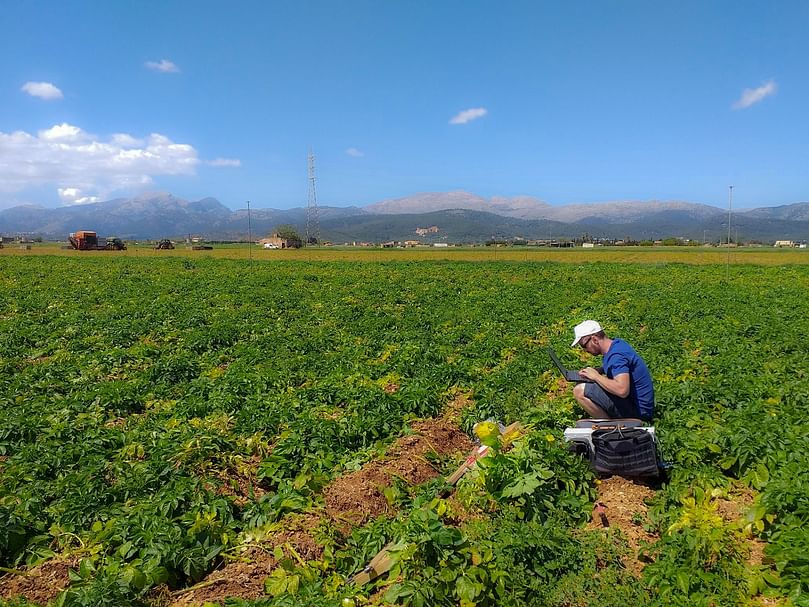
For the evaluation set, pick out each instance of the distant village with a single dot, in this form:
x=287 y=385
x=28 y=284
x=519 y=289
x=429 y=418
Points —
x=430 y=236
x=584 y=241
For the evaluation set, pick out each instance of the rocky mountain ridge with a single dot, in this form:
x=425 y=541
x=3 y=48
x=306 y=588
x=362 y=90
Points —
x=459 y=215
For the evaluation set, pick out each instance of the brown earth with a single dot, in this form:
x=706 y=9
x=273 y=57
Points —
x=738 y=501
x=242 y=484
x=357 y=497
x=622 y=505
x=39 y=584
x=732 y=509
x=350 y=500
x=559 y=387
x=244 y=578
x=452 y=410
x=458 y=514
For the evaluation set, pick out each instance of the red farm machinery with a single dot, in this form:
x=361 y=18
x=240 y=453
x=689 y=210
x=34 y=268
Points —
x=85 y=240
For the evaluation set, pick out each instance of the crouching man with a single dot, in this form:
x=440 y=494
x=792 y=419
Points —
x=623 y=385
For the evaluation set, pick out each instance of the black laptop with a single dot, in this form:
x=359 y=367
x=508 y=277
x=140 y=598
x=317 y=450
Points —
x=573 y=376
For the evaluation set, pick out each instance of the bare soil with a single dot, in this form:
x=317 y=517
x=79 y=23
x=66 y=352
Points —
x=622 y=505
x=452 y=410
x=733 y=508
x=558 y=388
x=244 y=578
x=458 y=514
x=350 y=500
x=39 y=584
x=241 y=484
x=357 y=497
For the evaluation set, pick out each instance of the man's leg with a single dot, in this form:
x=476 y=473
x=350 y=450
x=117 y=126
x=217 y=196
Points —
x=593 y=410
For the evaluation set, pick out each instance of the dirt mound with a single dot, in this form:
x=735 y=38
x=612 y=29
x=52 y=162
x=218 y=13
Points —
x=622 y=505
x=245 y=578
x=732 y=508
x=350 y=500
x=359 y=496
x=452 y=410
x=239 y=482
x=459 y=514
x=299 y=531
x=242 y=579
x=738 y=500
x=40 y=584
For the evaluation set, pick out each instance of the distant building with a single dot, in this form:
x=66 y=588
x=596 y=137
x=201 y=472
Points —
x=411 y=243
x=425 y=231
x=280 y=243
x=784 y=243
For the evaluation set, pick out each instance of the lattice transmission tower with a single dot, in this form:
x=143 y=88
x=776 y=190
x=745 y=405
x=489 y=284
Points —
x=312 y=212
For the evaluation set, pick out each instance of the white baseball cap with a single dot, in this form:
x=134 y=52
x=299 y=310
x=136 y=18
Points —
x=583 y=329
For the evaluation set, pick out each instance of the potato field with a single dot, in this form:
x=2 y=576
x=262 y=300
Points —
x=179 y=431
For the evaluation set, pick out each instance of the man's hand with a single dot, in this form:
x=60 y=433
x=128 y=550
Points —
x=619 y=385
x=589 y=373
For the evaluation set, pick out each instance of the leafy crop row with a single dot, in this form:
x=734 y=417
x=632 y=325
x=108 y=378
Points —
x=136 y=395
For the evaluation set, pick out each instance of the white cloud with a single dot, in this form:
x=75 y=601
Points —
x=752 y=96
x=43 y=90
x=224 y=162
x=82 y=166
x=164 y=65
x=354 y=152
x=125 y=141
x=468 y=115
x=73 y=196
x=63 y=132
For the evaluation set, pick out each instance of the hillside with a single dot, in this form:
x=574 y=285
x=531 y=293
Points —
x=459 y=216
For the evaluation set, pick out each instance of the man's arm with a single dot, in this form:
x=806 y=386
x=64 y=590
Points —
x=619 y=385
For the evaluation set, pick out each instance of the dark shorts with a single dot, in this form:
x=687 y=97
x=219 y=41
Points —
x=614 y=406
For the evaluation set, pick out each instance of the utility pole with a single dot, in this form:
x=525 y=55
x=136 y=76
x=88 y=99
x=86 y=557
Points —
x=312 y=212
x=730 y=208
x=249 y=234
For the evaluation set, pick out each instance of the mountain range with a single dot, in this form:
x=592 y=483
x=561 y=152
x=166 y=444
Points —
x=459 y=216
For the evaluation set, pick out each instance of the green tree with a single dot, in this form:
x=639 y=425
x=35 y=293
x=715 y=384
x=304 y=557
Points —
x=287 y=232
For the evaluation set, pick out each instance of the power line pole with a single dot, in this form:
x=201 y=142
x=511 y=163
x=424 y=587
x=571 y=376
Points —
x=312 y=212
x=249 y=234
x=730 y=208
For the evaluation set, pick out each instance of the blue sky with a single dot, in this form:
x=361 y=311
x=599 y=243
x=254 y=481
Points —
x=567 y=102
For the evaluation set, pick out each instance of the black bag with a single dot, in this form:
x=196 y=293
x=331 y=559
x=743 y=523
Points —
x=624 y=451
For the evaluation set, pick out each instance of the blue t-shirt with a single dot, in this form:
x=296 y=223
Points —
x=622 y=358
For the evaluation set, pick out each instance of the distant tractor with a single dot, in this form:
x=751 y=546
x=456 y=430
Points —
x=85 y=240
x=164 y=244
